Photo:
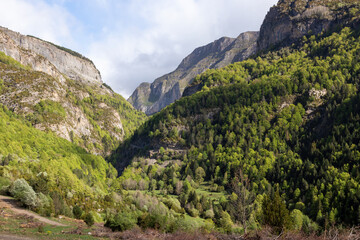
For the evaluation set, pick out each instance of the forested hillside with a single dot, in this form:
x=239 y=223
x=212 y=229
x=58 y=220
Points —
x=61 y=173
x=91 y=116
x=272 y=142
x=282 y=125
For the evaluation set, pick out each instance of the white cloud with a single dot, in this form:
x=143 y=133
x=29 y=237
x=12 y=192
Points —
x=160 y=33
x=50 y=22
x=132 y=41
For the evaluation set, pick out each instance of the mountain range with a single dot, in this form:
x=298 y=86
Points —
x=279 y=27
x=249 y=137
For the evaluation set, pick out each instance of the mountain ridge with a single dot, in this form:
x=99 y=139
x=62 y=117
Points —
x=59 y=90
x=150 y=98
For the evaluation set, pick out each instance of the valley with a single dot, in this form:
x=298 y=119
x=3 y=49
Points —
x=255 y=137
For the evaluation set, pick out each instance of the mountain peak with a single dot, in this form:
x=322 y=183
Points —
x=48 y=58
x=151 y=98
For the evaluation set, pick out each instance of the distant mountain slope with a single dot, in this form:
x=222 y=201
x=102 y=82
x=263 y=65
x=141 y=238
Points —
x=284 y=24
x=151 y=98
x=60 y=90
x=290 y=20
x=287 y=120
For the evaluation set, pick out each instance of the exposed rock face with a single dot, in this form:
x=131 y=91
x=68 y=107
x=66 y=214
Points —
x=46 y=57
x=151 y=98
x=290 y=20
x=62 y=91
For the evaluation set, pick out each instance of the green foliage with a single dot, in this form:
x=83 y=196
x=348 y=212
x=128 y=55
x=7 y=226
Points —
x=77 y=211
x=121 y=221
x=153 y=221
x=89 y=219
x=275 y=213
x=23 y=192
x=225 y=222
x=51 y=166
x=4 y=185
x=297 y=218
x=48 y=111
x=12 y=62
x=287 y=118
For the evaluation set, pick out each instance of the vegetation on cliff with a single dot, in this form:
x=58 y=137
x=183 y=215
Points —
x=286 y=121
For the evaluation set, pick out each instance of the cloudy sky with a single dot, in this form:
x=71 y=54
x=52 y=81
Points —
x=133 y=41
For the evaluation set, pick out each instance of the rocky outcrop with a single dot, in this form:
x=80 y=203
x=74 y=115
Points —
x=61 y=91
x=290 y=20
x=151 y=98
x=47 y=57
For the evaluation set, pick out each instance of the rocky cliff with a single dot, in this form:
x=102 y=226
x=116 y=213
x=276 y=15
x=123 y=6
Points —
x=59 y=90
x=290 y=20
x=284 y=24
x=151 y=98
x=47 y=57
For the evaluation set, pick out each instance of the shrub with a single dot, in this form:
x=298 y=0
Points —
x=77 y=212
x=297 y=219
x=225 y=222
x=23 y=192
x=89 y=219
x=173 y=203
x=44 y=205
x=154 y=221
x=4 y=185
x=121 y=221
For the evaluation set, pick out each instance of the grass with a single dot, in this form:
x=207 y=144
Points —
x=12 y=224
x=204 y=189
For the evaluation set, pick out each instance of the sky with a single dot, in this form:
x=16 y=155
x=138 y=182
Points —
x=133 y=41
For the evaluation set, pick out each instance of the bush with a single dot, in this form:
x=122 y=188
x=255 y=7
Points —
x=297 y=219
x=77 y=212
x=4 y=185
x=44 y=205
x=121 y=221
x=225 y=222
x=89 y=219
x=24 y=193
x=154 y=221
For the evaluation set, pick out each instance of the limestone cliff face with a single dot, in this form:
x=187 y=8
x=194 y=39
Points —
x=61 y=91
x=151 y=98
x=290 y=20
x=47 y=57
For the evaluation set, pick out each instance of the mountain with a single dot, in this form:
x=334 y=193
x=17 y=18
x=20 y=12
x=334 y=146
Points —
x=59 y=90
x=284 y=24
x=275 y=138
x=151 y=98
x=290 y=20
x=48 y=58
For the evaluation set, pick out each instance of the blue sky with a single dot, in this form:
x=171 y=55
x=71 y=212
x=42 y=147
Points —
x=133 y=41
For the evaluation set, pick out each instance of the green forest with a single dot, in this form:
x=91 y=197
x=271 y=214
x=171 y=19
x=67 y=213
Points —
x=283 y=124
x=272 y=141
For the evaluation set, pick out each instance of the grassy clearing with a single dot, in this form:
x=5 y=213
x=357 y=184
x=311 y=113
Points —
x=12 y=224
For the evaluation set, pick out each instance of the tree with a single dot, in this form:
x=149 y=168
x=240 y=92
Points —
x=77 y=212
x=275 y=213
x=225 y=222
x=199 y=174
x=89 y=219
x=242 y=199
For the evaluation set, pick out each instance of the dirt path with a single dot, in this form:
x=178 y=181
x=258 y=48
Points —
x=12 y=204
x=13 y=237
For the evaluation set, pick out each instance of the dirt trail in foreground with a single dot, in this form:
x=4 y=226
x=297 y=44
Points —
x=13 y=237
x=10 y=203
